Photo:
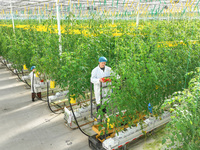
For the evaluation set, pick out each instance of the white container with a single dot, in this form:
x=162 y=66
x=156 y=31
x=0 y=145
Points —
x=65 y=92
x=109 y=143
x=59 y=94
x=15 y=71
x=9 y=65
x=51 y=98
x=120 y=135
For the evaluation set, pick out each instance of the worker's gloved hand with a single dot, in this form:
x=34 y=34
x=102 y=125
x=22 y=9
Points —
x=105 y=80
x=101 y=80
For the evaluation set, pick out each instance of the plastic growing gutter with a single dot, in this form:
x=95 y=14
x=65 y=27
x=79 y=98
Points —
x=16 y=74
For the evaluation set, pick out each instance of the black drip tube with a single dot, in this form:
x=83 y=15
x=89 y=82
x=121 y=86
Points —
x=76 y=119
x=49 y=102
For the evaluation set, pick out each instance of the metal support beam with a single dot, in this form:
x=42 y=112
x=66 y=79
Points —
x=39 y=14
x=12 y=17
x=138 y=13
x=59 y=29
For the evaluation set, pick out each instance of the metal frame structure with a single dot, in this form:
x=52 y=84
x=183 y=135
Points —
x=27 y=9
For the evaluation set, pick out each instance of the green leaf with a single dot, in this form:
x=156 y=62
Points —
x=163 y=141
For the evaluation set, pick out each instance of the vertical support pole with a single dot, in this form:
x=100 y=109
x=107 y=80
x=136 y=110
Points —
x=118 y=9
x=105 y=129
x=113 y=11
x=168 y=14
x=70 y=3
x=101 y=96
x=12 y=17
x=138 y=8
x=91 y=99
x=70 y=8
x=93 y=7
x=58 y=23
x=39 y=14
x=48 y=91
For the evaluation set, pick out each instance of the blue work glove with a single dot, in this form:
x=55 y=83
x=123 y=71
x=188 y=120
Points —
x=150 y=108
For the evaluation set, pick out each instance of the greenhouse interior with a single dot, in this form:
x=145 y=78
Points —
x=100 y=74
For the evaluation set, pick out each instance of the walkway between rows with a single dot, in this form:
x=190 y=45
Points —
x=27 y=125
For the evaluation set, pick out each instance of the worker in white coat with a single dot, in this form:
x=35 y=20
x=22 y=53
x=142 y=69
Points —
x=35 y=84
x=97 y=76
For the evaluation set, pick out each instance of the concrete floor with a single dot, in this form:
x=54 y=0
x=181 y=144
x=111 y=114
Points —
x=27 y=125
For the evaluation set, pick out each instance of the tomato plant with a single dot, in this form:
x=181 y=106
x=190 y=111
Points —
x=151 y=60
x=184 y=127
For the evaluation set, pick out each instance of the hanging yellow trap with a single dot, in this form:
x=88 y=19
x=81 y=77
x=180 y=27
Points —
x=24 y=67
x=52 y=84
x=72 y=99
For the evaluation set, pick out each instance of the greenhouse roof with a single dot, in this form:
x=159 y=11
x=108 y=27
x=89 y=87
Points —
x=45 y=7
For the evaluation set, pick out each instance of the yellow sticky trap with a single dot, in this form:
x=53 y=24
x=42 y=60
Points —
x=157 y=87
x=72 y=99
x=37 y=74
x=52 y=84
x=24 y=67
x=108 y=124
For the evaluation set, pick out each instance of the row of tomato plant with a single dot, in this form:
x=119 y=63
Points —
x=183 y=130
x=149 y=68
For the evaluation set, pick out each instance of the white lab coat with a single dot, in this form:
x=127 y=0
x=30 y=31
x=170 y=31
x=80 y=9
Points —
x=98 y=73
x=35 y=82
